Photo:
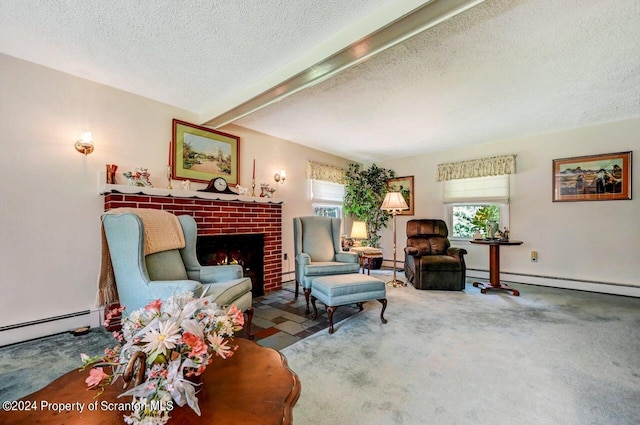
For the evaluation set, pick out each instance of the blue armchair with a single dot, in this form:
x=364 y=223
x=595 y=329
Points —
x=318 y=251
x=143 y=278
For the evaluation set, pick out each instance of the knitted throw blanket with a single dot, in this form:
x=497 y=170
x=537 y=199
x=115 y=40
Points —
x=162 y=232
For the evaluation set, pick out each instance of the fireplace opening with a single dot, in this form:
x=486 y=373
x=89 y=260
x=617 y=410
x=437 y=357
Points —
x=246 y=250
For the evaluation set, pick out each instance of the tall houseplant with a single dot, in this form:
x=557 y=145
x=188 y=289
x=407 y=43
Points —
x=364 y=192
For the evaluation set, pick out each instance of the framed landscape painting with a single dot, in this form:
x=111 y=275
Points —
x=201 y=154
x=602 y=177
x=403 y=185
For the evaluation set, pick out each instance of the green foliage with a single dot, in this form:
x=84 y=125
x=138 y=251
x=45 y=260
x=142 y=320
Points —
x=469 y=218
x=364 y=192
x=484 y=214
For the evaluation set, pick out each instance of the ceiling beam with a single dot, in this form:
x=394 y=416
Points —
x=414 y=22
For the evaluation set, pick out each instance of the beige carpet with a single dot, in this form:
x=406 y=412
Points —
x=548 y=357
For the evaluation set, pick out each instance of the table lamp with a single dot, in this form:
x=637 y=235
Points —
x=358 y=232
x=394 y=203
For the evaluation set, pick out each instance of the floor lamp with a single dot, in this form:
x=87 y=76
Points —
x=394 y=203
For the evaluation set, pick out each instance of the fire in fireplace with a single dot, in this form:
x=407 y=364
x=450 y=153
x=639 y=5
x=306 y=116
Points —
x=247 y=250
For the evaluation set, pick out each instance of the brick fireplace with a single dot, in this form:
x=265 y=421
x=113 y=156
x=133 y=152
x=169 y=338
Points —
x=216 y=214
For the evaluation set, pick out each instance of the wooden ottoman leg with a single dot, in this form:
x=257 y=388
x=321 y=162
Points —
x=360 y=306
x=315 y=310
x=384 y=307
x=330 y=311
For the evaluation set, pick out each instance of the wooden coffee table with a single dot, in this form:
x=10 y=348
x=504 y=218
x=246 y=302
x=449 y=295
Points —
x=255 y=386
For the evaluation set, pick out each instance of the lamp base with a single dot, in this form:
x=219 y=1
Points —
x=396 y=283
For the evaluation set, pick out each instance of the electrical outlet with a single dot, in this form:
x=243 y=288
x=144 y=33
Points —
x=534 y=256
x=286 y=256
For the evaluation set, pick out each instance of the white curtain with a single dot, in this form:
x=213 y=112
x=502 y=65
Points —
x=491 y=189
x=324 y=191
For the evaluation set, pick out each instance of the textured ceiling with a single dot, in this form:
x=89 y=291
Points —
x=501 y=70
x=187 y=53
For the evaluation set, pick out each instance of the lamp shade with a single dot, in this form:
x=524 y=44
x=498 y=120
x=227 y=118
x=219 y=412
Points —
x=359 y=230
x=394 y=201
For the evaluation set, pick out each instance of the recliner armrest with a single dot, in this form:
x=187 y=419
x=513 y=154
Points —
x=347 y=257
x=411 y=250
x=456 y=252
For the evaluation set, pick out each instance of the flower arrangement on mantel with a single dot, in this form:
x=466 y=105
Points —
x=163 y=346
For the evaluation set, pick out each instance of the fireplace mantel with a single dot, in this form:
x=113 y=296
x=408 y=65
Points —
x=179 y=193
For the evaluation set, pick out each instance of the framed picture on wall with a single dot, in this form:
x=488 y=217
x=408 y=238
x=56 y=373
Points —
x=403 y=185
x=603 y=177
x=201 y=154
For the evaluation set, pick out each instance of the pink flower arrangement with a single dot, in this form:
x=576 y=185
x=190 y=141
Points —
x=176 y=339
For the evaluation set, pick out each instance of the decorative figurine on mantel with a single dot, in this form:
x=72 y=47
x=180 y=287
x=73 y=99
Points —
x=266 y=190
x=139 y=178
x=186 y=184
x=242 y=190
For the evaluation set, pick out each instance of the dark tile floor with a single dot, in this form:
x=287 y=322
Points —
x=279 y=319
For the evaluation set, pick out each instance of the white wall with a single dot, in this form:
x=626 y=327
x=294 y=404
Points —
x=583 y=241
x=50 y=205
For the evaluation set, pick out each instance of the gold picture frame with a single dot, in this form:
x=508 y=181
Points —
x=604 y=177
x=201 y=154
x=403 y=185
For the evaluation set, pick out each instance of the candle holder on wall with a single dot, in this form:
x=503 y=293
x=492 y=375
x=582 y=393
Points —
x=111 y=173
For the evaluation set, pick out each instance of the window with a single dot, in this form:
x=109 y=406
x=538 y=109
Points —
x=469 y=203
x=327 y=211
x=327 y=198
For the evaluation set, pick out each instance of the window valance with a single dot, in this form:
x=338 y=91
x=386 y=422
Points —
x=324 y=172
x=482 y=167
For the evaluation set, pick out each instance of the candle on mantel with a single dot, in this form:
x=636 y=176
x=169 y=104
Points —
x=170 y=152
x=254 y=169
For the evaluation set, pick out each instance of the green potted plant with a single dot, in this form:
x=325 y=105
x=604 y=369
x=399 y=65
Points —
x=364 y=192
x=484 y=215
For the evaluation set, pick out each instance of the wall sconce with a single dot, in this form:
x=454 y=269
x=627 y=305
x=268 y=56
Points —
x=85 y=144
x=280 y=177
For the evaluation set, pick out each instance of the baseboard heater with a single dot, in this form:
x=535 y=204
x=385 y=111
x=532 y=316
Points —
x=614 y=288
x=46 y=320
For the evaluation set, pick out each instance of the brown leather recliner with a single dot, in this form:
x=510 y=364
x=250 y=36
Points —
x=429 y=260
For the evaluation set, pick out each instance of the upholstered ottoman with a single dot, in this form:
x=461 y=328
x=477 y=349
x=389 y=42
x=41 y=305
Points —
x=354 y=288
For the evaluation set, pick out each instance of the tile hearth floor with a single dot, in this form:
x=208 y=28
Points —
x=279 y=319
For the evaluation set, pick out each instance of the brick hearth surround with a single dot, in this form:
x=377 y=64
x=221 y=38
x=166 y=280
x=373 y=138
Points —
x=216 y=217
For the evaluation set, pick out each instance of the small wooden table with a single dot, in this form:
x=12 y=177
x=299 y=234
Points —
x=494 y=265
x=367 y=257
x=255 y=386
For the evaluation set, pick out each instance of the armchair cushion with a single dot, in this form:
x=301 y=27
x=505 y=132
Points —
x=166 y=265
x=435 y=245
x=319 y=268
x=226 y=293
x=440 y=263
x=318 y=241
